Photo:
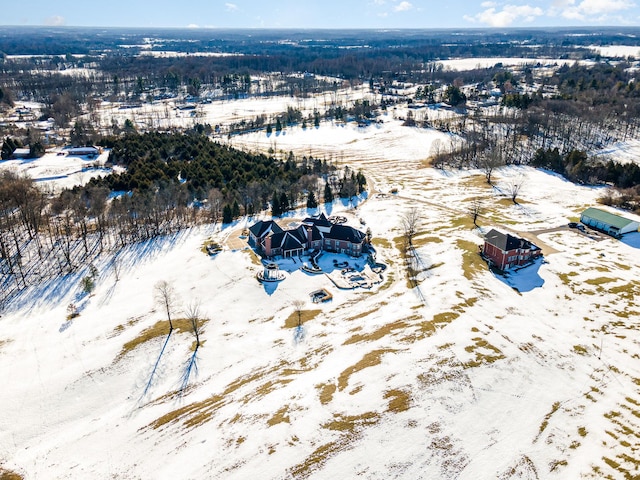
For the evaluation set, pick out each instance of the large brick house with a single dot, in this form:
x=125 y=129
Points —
x=505 y=251
x=313 y=233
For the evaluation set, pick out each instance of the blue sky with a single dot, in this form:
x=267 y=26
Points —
x=322 y=14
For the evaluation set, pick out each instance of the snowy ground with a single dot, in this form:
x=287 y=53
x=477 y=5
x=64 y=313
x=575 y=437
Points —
x=57 y=170
x=531 y=376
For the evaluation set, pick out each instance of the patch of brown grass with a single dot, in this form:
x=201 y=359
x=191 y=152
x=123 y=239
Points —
x=421 y=241
x=200 y=412
x=380 y=242
x=9 y=475
x=482 y=358
x=279 y=417
x=160 y=329
x=365 y=314
x=377 y=334
x=600 y=280
x=547 y=417
x=370 y=359
x=349 y=423
x=399 y=401
x=326 y=392
x=305 y=316
x=472 y=262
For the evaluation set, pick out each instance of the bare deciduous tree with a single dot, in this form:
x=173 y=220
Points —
x=475 y=209
x=165 y=296
x=192 y=312
x=410 y=221
x=298 y=305
x=490 y=162
x=515 y=186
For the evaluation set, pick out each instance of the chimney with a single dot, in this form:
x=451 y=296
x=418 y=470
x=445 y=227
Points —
x=309 y=237
x=267 y=245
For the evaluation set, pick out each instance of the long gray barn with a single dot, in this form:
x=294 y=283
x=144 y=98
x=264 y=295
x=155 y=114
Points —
x=610 y=223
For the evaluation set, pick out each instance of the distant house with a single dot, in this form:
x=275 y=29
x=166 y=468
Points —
x=21 y=153
x=612 y=224
x=505 y=251
x=314 y=233
x=83 y=151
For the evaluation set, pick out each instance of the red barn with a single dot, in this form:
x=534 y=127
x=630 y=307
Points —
x=505 y=251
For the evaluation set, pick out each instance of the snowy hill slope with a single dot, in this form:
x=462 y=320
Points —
x=532 y=376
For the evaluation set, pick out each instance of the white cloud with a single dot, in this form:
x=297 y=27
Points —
x=55 y=21
x=507 y=16
x=488 y=4
x=591 y=10
x=193 y=25
x=403 y=7
x=231 y=7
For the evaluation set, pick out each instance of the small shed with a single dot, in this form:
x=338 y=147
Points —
x=610 y=223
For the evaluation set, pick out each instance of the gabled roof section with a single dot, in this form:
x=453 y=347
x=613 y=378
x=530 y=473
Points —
x=262 y=228
x=286 y=241
x=607 y=218
x=346 y=233
x=319 y=221
x=504 y=241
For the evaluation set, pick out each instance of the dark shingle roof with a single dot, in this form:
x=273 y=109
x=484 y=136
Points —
x=319 y=221
x=260 y=228
x=505 y=242
x=346 y=233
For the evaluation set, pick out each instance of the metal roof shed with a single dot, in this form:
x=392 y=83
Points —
x=608 y=222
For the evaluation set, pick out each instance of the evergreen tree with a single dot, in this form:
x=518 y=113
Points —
x=276 y=210
x=269 y=129
x=36 y=149
x=227 y=214
x=235 y=210
x=278 y=125
x=284 y=202
x=311 y=200
x=328 y=193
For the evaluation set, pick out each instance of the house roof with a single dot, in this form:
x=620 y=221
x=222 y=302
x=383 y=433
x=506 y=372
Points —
x=286 y=240
x=505 y=242
x=346 y=233
x=607 y=218
x=319 y=221
x=261 y=228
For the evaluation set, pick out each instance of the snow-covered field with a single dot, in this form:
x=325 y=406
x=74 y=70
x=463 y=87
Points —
x=57 y=170
x=531 y=376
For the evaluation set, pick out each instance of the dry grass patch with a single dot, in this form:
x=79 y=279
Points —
x=399 y=401
x=629 y=291
x=198 y=413
x=472 y=262
x=377 y=334
x=305 y=316
x=547 y=417
x=579 y=349
x=370 y=359
x=380 y=242
x=9 y=475
x=481 y=357
x=601 y=280
x=318 y=458
x=160 y=329
x=365 y=314
x=421 y=241
x=326 y=392
x=344 y=423
x=280 y=417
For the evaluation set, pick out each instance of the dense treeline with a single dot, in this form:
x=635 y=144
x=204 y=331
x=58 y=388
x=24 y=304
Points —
x=199 y=165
